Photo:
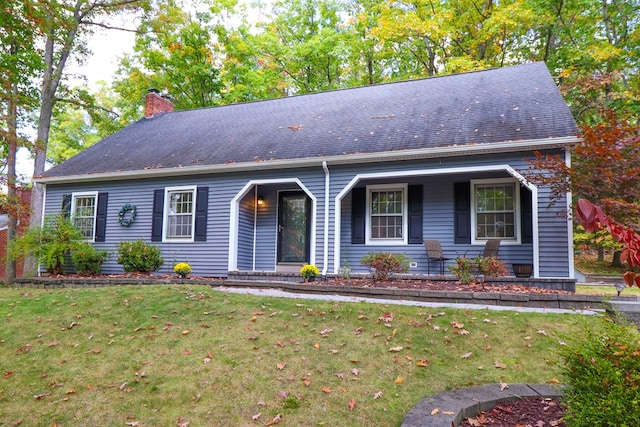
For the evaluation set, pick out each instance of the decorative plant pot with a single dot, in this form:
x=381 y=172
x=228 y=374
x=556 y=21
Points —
x=311 y=279
x=522 y=270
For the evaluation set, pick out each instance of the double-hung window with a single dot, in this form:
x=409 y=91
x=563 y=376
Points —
x=179 y=213
x=495 y=209
x=387 y=214
x=83 y=214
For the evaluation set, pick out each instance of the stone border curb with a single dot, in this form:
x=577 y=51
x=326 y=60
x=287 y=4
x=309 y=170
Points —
x=467 y=402
x=557 y=301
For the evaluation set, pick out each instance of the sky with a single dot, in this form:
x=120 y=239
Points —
x=107 y=48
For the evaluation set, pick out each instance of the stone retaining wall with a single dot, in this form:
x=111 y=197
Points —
x=562 y=301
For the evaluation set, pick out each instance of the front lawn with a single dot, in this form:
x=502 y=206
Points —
x=190 y=355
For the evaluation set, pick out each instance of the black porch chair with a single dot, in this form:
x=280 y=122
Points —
x=491 y=248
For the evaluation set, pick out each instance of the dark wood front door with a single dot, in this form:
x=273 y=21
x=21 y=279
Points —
x=293 y=227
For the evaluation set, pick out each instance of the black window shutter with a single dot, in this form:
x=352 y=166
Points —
x=358 y=212
x=415 y=214
x=202 y=207
x=526 y=215
x=462 y=212
x=156 y=216
x=66 y=205
x=101 y=217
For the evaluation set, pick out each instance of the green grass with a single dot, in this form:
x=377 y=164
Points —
x=166 y=355
x=606 y=290
x=587 y=262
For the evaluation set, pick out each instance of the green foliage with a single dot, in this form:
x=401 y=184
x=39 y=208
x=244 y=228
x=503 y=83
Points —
x=48 y=243
x=384 y=264
x=87 y=259
x=139 y=257
x=602 y=366
x=466 y=268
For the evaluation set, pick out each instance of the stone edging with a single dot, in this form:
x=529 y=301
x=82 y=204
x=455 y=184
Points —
x=561 y=301
x=456 y=405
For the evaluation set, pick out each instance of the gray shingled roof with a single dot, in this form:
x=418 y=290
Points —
x=506 y=104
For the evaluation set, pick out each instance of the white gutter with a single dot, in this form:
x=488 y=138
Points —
x=384 y=156
x=325 y=246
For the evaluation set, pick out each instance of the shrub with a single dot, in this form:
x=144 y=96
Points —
x=384 y=264
x=182 y=269
x=602 y=367
x=87 y=259
x=139 y=257
x=464 y=269
x=491 y=266
x=48 y=243
x=467 y=268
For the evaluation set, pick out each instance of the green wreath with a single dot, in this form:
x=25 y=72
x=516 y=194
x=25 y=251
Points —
x=127 y=221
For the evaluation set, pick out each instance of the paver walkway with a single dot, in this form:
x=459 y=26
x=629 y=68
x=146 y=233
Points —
x=333 y=297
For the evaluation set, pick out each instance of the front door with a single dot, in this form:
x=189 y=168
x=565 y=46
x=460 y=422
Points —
x=293 y=227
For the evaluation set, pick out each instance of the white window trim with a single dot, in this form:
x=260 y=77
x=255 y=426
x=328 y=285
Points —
x=517 y=225
x=165 y=214
x=75 y=196
x=405 y=206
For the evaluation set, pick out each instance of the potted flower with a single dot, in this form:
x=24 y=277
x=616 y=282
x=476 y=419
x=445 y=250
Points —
x=182 y=269
x=309 y=272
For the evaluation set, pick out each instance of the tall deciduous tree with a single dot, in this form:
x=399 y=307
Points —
x=64 y=26
x=173 y=54
x=20 y=63
x=605 y=169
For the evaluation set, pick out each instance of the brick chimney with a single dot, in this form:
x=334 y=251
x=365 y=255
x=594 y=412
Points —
x=154 y=104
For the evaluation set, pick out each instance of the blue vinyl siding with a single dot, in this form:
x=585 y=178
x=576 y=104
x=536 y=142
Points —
x=210 y=258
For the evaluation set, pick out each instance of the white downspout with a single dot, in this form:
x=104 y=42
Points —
x=325 y=245
x=255 y=226
x=569 y=196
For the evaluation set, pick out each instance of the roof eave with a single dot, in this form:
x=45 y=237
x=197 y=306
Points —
x=384 y=156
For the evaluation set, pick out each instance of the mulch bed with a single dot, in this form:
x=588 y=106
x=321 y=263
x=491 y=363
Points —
x=526 y=412
x=422 y=284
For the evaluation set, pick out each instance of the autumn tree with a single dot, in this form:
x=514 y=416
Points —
x=20 y=63
x=173 y=54
x=64 y=27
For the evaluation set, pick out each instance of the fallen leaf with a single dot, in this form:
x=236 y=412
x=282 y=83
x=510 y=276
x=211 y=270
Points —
x=435 y=411
x=457 y=325
x=423 y=363
x=554 y=381
x=41 y=396
x=206 y=360
x=282 y=394
x=448 y=412
x=504 y=386
x=327 y=390
x=377 y=395
x=352 y=404
x=275 y=420
x=339 y=375
x=8 y=374
x=325 y=332
x=500 y=365
x=399 y=380
x=256 y=416
x=541 y=332
x=186 y=332
x=317 y=345
x=355 y=371
x=281 y=366
x=462 y=332
x=397 y=348
x=386 y=317
x=466 y=355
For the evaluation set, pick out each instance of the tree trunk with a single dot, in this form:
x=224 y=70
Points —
x=600 y=253
x=616 y=260
x=10 y=268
